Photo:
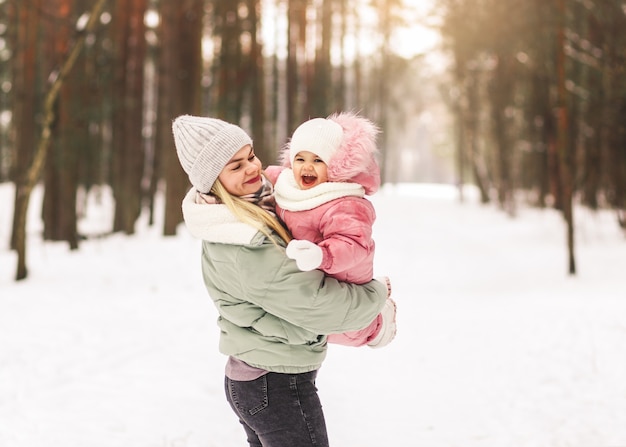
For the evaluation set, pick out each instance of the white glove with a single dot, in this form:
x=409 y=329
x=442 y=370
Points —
x=308 y=256
x=388 y=330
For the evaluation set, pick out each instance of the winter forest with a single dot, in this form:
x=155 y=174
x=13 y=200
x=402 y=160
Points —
x=501 y=221
x=526 y=99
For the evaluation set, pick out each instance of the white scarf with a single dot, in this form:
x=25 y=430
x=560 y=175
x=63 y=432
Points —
x=214 y=222
x=290 y=197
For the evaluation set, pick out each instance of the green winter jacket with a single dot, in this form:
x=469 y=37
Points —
x=272 y=315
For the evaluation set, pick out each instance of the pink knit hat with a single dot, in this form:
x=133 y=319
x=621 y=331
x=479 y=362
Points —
x=347 y=144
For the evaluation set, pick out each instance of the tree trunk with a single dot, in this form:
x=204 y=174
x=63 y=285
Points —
x=128 y=150
x=340 y=82
x=275 y=95
x=296 y=39
x=257 y=97
x=320 y=85
x=25 y=104
x=389 y=164
x=230 y=66
x=472 y=131
x=500 y=98
x=562 y=142
x=61 y=169
x=179 y=94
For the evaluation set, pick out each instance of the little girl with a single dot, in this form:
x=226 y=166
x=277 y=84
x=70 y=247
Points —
x=329 y=165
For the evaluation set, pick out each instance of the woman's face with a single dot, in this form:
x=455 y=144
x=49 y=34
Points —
x=242 y=174
x=309 y=170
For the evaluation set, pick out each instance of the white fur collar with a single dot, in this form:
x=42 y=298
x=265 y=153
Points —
x=290 y=197
x=215 y=223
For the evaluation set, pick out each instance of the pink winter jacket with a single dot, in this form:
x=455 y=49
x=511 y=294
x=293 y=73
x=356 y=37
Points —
x=342 y=228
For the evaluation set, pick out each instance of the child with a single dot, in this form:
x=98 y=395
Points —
x=328 y=167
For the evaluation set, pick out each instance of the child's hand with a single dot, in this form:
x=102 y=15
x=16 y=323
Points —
x=307 y=255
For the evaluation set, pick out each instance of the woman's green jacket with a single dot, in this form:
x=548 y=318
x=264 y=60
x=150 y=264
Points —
x=272 y=315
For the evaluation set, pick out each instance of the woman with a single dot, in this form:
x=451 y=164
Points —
x=274 y=319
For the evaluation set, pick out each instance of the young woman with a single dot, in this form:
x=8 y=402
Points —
x=274 y=319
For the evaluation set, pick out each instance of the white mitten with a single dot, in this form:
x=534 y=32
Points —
x=308 y=256
x=388 y=330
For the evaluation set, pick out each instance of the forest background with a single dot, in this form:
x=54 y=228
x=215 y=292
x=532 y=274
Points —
x=527 y=100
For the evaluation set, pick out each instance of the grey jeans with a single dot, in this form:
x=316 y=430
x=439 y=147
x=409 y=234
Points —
x=279 y=410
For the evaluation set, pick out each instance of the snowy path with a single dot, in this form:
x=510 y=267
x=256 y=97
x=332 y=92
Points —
x=115 y=345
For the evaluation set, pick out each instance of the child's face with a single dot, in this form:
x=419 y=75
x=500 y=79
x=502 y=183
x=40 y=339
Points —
x=242 y=174
x=309 y=170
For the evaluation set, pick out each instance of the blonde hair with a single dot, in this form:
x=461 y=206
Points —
x=251 y=214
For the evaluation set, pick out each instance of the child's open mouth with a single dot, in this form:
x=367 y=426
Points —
x=308 y=180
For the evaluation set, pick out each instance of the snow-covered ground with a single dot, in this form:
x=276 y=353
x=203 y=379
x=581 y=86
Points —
x=115 y=345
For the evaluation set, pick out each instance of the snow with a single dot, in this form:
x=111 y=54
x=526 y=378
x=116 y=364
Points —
x=115 y=345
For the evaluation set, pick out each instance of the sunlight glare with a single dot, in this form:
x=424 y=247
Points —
x=406 y=41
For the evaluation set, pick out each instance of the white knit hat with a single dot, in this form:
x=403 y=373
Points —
x=204 y=146
x=319 y=135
